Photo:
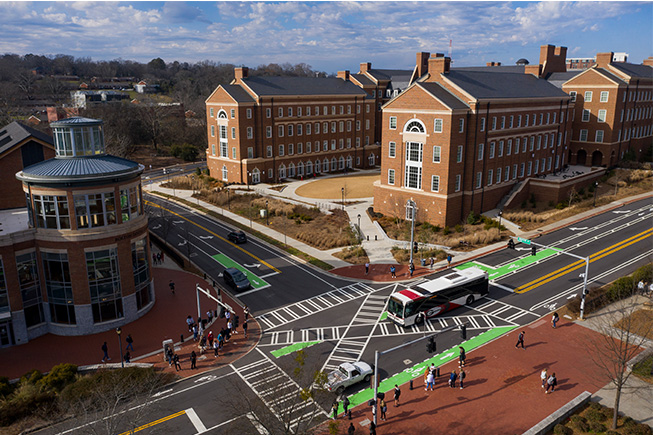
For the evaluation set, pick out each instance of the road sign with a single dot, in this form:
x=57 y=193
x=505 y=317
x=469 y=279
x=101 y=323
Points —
x=524 y=241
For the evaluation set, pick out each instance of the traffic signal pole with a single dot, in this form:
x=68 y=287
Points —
x=585 y=259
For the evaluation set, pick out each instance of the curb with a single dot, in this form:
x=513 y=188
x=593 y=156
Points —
x=546 y=425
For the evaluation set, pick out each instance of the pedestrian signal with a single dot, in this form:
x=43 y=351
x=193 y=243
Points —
x=430 y=345
x=511 y=244
x=415 y=247
x=533 y=250
x=463 y=331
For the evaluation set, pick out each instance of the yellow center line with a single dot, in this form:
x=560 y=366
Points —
x=154 y=423
x=216 y=235
x=580 y=263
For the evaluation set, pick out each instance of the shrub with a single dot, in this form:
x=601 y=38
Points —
x=561 y=205
x=621 y=288
x=612 y=432
x=581 y=192
x=644 y=273
x=60 y=376
x=629 y=422
x=637 y=429
x=595 y=415
x=31 y=377
x=597 y=427
x=446 y=231
x=28 y=399
x=580 y=423
x=472 y=218
x=551 y=204
x=562 y=430
x=458 y=228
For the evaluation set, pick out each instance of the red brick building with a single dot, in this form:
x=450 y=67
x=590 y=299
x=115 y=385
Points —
x=461 y=139
x=75 y=261
x=265 y=129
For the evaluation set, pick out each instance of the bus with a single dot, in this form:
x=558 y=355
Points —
x=459 y=287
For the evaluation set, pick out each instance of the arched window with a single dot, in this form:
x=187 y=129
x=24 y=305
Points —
x=282 y=171
x=300 y=168
x=222 y=114
x=415 y=126
x=225 y=173
x=256 y=176
x=372 y=160
x=325 y=165
x=349 y=162
x=291 y=170
x=334 y=164
x=341 y=163
x=318 y=167
x=309 y=167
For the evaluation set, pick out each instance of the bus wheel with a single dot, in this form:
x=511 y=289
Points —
x=470 y=300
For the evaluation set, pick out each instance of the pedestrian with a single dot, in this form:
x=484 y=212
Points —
x=520 y=340
x=426 y=377
x=384 y=409
x=411 y=268
x=430 y=380
x=227 y=315
x=551 y=383
x=158 y=258
x=171 y=284
x=372 y=428
x=229 y=330
x=130 y=342
x=431 y=263
x=351 y=430
x=555 y=319
x=190 y=322
x=461 y=357
x=449 y=258
x=345 y=406
x=105 y=349
x=367 y=268
x=193 y=360
x=393 y=271
x=216 y=347
x=195 y=332
x=452 y=379
x=209 y=338
x=461 y=376
x=169 y=356
x=245 y=328
x=397 y=394
x=127 y=357
x=209 y=315
x=153 y=258
x=163 y=258
x=220 y=339
x=175 y=359
x=246 y=312
x=543 y=377
x=235 y=324
x=334 y=407
x=202 y=345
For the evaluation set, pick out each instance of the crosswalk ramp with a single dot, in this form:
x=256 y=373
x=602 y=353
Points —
x=281 y=316
x=279 y=392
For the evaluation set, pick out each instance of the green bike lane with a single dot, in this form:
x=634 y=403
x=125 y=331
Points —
x=498 y=272
x=226 y=262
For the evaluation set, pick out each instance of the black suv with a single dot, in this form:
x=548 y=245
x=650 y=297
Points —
x=236 y=279
x=237 y=237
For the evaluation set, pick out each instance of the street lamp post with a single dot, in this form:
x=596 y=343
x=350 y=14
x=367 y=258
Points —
x=342 y=196
x=267 y=214
x=359 y=221
x=248 y=174
x=412 y=205
x=596 y=187
x=122 y=359
x=360 y=233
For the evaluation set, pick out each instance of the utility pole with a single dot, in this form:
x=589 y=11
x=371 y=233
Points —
x=413 y=206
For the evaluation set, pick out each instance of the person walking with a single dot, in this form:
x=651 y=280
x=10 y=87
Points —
x=175 y=359
x=127 y=357
x=393 y=271
x=246 y=312
x=130 y=342
x=351 y=430
x=397 y=394
x=195 y=332
x=520 y=340
x=551 y=383
x=411 y=268
x=449 y=258
x=190 y=322
x=431 y=263
x=216 y=348
x=221 y=339
x=193 y=360
x=171 y=284
x=461 y=376
x=384 y=409
x=105 y=349
x=169 y=356
x=372 y=428
x=245 y=328
x=543 y=377
x=430 y=381
x=334 y=408
x=452 y=379
x=367 y=268
x=209 y=316
x=345 y=406
x=555 y=319
x=461 y=357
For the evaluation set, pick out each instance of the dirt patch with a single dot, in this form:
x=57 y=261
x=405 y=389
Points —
x=353 y=255
x=355 y=186
x=640 y=323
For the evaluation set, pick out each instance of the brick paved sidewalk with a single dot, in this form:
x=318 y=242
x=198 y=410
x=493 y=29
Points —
x=502 y=393
x=166 y=320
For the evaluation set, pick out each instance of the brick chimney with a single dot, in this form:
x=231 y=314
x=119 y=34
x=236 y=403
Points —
x=365 y=67
x=438 y=64
x=604 y=59
x=552 y=59
x=422 y=63
x=493 y=64
x=240 y=73
x=648 y=61
x=344 y=75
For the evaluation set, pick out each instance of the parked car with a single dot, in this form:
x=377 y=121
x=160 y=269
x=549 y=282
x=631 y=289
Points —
x=236 y=279
x=237 y=237
x=348 y=374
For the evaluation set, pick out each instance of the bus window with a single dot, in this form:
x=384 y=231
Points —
x=411 y=308
x=396 y=307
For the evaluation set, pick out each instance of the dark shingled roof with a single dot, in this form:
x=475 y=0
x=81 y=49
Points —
x=16 y=132
x=557 y=79
x=363 y=79
x=443 y=95
x=484 y=84
x=494 y=69
x=262 y=85
x=634 y=70
x=238 y=93
x=88 y=168
x=402 y=75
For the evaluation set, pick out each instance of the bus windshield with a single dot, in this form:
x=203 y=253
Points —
x=411 y=308
x=396 y=307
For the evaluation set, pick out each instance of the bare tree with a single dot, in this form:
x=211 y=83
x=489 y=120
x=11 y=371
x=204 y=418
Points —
x=26 y=82
x=620 y=341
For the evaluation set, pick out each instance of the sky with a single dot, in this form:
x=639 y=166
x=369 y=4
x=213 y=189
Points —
x=329 y=36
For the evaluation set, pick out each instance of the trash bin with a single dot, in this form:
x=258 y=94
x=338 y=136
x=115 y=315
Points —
x=423 y=262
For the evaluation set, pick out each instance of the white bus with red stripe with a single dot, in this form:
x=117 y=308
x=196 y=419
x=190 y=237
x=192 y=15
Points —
x=428 y=299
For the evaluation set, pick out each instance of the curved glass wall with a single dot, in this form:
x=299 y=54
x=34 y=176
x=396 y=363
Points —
x=78 y=141
x=104 y=284
x=59 y=287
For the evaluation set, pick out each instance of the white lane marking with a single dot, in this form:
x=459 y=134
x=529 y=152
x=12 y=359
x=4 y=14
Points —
x=194 y=418
x=257 y=425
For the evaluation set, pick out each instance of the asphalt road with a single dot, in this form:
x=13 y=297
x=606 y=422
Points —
x=346 y=318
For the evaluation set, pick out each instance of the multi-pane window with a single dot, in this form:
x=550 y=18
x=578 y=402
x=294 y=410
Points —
x=392 y=149
x=299 y=129
x=602 y=115
x=526 y=120
x=572 y=94
x=130 y=203
x=291 y=130
x=281 y=150
x=588 y=96
x=213 y=131
x=437 y=125
x=517 y=143
x=317 y=127
x=280 y=112
x=500 y=148
x=521 y=170
x=56 y=271
x=494 y=123
x=308 y=128
x=268 y=131
x=604 y=96
x=104 y=284
x=436 y=154
x=583 y=135
x=461 y=125
x=233 y=132
x=268 y=112
x=233 y=113
x=532 y=143
x=506 y=175
x=393 y=122
x=512 y=119
x=599 y=135
x=435 y=183
x=4 y=294
x=269 y=151
x=250 y=133
x=509 y=149
x=490 y=175
x=250 y=152
x=492 y=147
x=414 y=177
x=480 y=151
x=414 y=152
x=290 y=111
x=459 y=154
x=30 y=288
x=586 y=115
x=249 y=113
x=479 y=180
x=291 y=149
x=518 y=120
x=233 y=153
x=530 y=168
x=51 y=212
x=391 y=176
x=482 y=124
x=503 y=122
x=96 y=210
x=211 y=112
x=457 y=183
x=280 y=131
x=498 y=175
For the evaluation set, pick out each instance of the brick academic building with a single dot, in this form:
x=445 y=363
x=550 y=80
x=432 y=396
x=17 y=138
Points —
x=76 y=260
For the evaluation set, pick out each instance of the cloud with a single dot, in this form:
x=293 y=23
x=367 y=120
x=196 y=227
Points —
x=180 y=12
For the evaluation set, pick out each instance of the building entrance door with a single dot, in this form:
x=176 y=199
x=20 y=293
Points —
x=6 y=333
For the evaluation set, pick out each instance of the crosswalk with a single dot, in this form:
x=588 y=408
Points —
x=505 y=311
x=307 y=307
x=279 y=392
